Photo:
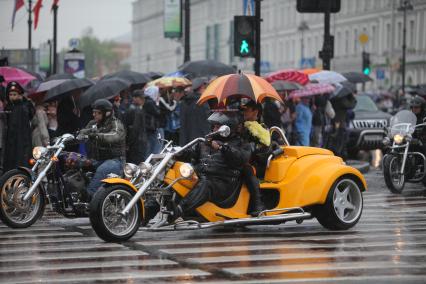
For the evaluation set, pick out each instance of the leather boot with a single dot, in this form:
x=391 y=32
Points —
x=257 y=205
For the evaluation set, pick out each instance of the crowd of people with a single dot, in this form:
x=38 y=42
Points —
x=169 y=113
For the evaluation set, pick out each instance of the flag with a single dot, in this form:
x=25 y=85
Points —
x=36 y=11
x=55 y=3
x=18 y=4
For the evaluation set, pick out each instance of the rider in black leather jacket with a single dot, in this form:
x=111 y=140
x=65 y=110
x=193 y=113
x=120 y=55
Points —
x=106 y=144
x=218 y=164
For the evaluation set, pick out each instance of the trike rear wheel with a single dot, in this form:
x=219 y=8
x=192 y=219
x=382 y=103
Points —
x=343 y=206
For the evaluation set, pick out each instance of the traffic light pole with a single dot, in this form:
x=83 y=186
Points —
x=55 y=37
x=187 y=48
x=29 y=24
x=327 y=48
x=257 y=47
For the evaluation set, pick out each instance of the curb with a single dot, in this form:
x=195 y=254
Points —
x=361 y=166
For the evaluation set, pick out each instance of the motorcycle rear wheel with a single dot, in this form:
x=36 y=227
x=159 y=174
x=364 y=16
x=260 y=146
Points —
x=105 y=216
x=394 y=181
x=15 y=212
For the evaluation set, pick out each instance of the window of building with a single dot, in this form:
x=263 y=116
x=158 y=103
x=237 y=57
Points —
x=338 y=41
x=355 y=41
x=346 y=51
x=399 y=34
x=412 y=32
x=388 y=35
x=374 y=39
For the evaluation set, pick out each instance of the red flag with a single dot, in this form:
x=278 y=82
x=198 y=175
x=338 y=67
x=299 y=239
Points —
x=55 y=3
x=18 y=4
x=36 y=11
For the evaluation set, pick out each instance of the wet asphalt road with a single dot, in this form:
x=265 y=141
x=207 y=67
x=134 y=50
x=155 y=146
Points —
x=387 y=246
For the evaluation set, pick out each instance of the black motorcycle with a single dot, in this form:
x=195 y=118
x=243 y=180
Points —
x=405 y=160
x=57 y=177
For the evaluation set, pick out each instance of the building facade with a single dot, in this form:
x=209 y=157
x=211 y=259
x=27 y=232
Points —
x=289 y=39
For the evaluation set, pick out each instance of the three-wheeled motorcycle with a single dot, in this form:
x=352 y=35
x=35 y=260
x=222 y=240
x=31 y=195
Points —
x=53 y=179
x=300 y=183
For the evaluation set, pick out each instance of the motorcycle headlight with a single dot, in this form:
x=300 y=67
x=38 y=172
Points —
x=145 y=167
x=38 y=152
x=186 y=170
x=398 y=138
x=130 y=170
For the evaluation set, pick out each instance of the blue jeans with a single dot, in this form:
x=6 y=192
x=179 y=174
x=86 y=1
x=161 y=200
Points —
x=104 y=168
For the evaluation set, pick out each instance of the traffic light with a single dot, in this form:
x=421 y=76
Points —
x=366 y=68
x=245 y=36
x=317 y=6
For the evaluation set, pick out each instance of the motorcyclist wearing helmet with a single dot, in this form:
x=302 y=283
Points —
x=418 y=107
x=218 y=164
x=106 y=144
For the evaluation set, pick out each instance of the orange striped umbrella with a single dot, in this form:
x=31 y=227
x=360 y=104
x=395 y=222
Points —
x=288 y=75
x=310 y=71
x=239 y=85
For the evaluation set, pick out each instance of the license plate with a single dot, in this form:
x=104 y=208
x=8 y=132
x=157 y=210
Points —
x=373 y=137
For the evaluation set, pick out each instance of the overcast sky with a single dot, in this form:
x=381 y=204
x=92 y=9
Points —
x=108 y=18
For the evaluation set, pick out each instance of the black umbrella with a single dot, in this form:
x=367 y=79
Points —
x=357 y=77
x=281 y=85
x=66 y=88
x=343 y=89
x=135 y=78
x=154 y=75
x=103 y=89
x=60 y=76
x=202 y=68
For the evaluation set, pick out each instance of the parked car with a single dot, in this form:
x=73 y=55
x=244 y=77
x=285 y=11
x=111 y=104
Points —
x=367 y=130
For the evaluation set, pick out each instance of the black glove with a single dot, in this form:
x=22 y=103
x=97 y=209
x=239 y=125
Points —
x=93 y=136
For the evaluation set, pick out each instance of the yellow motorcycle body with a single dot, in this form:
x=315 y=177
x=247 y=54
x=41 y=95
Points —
x=301 y=177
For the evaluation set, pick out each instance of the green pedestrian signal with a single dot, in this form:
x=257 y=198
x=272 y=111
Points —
x=244 y=47
x=244 y=36
x=366 y=64
x=366 y=71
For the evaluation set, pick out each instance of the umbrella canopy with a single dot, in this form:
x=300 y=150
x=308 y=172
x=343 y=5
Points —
x=40 y=92
x=329 y=77
x=310 y=71
x=66 y=87
x=202 y=68
x=239 y=85
x=281 y=86
x=288 y=75
x=356 y=77
x=343 y=89
x=15 y=74
x=135 y=78
x=60 y=76
x=312 y=89
x=154 y=75
x=103 y=89
x=170 y=82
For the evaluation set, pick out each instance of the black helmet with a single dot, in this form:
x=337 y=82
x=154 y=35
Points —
x=418 y=101
x=231 y=119
x=102 y=105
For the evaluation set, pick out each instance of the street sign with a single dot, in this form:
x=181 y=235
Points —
x=248 y=7
x=380 y=74
x=74 y=43
x=363 y=38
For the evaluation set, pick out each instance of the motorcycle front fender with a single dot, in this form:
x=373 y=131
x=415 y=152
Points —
x=27 y=171
x=120 y=181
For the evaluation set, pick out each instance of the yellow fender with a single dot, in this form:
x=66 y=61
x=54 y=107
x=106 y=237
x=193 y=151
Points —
x=113 y=181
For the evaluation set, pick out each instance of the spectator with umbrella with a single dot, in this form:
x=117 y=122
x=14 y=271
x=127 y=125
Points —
x=18 y=136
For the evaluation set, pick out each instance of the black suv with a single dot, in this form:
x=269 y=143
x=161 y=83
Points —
x=367 y=130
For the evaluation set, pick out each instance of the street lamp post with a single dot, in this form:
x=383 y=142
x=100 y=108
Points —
x=302 y=27
x=405 y=5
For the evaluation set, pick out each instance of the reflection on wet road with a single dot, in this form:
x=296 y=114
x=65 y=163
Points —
x=388 y=245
